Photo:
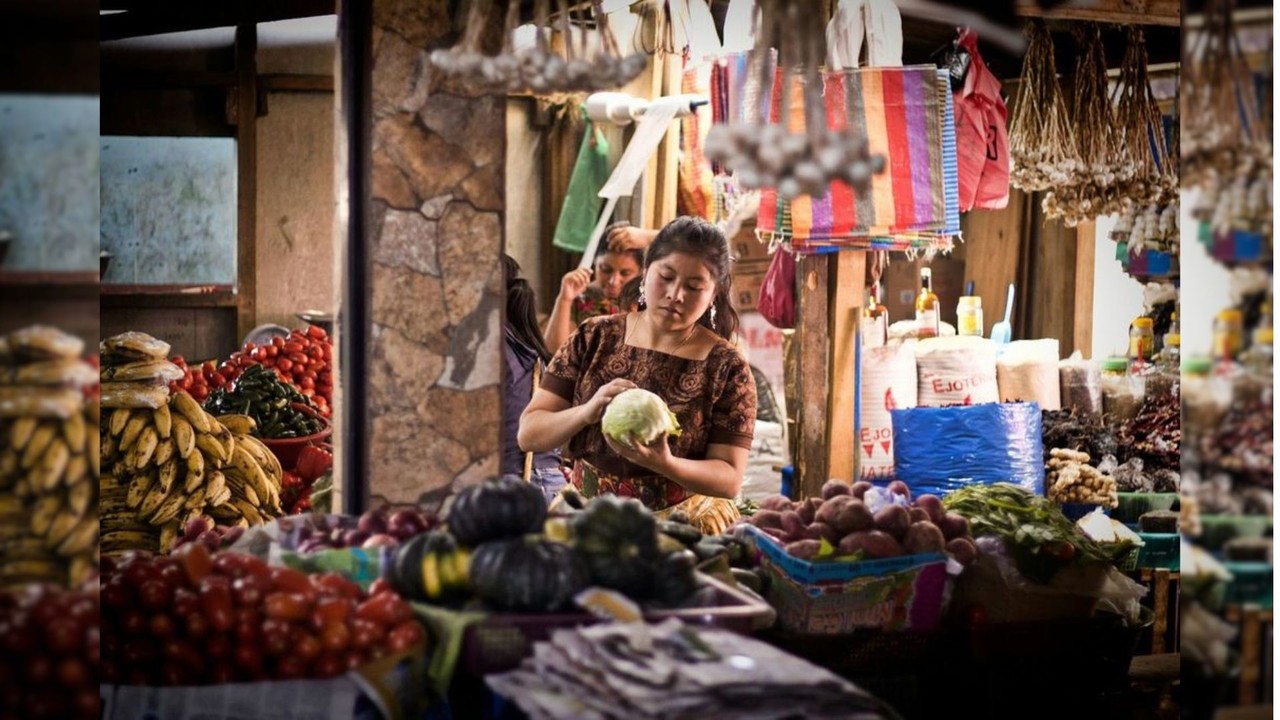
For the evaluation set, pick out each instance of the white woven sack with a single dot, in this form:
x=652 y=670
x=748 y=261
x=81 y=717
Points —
x=888 y=381
x=956 y=371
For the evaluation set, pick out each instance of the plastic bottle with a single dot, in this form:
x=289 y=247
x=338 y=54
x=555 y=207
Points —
x=1142 y=341
x=969 y=316
x=1122 y=391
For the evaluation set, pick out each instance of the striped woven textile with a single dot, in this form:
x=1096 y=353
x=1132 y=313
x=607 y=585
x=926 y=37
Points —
x=906 y=115
x=696 y=186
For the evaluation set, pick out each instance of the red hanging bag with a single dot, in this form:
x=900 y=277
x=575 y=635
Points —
x=778 y=291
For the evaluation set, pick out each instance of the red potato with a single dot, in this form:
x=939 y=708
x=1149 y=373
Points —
x=924 y=537
x=833 y=488
x=919 y=514
x=792 y=524
x=954 y=526
x=767 y=519
x=860 y=489
x=780 y=503
x=897 y=487
x=893 y=519
x=825 y=532
x=804 y=549
x=931 y=504
x=963 y=550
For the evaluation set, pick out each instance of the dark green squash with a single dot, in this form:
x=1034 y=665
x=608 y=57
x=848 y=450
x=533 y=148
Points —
x=496 y=508
x=527 y=574
x=675 y=581
x=432 y=568
x=618 y=539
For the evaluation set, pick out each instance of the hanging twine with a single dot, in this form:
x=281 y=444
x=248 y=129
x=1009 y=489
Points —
x=1042 y=145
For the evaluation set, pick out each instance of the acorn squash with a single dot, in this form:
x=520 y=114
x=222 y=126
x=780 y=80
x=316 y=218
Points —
x=527 y=574
x=618 y=539
x=496 y=508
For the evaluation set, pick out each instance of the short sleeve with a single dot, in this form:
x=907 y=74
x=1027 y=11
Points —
x=566 y=368
x=733 y=416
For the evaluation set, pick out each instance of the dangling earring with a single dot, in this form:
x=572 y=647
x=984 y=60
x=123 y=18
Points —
x=641 y=302
x=713 y=317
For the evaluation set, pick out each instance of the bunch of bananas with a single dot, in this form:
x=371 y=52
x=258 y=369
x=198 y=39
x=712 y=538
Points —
x=168 y=461
x=176 y=463
x=49 y=463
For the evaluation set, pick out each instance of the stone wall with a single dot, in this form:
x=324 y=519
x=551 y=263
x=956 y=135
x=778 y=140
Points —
x=435 y=238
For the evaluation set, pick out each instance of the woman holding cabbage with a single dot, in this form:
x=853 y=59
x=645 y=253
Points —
x=676 y=346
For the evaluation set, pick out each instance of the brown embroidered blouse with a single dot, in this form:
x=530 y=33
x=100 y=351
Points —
x=713 y=399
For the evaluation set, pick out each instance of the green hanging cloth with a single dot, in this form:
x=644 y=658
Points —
x=582 y=201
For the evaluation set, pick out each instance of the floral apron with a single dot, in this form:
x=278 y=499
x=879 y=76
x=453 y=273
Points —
x=710 y=515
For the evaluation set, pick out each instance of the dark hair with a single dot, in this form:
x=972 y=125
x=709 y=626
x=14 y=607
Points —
x=629 y=297
x=522 y=317
x=699 y=238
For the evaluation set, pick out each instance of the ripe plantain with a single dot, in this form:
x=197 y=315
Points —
x=63 y=525
x=196 y=499
x=44 y=512
x=140 y=490
x=80 y=497
x=119 y=418
x=46 y=476
x=214 y=450
x=81 y=537
x=77 y=470
x=248 y=511
x=191 y=410
x=164 y=452
x=21 y=431
x=133 y=430
x=145 y=447
x=163 y=420
x=195 y=472
x=184 y=436
x=73 y=431
x=35 y=448
x=92 y=451
x=169 y=509
x=167 y=474
x=238 y=424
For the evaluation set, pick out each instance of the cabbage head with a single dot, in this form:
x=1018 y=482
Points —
x=638 y=416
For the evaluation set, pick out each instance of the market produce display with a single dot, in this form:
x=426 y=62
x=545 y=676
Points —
x=863 y=521
x=1154 y=434
x=380 y=526
x=1073 y=480
x=304 y=360
x=1040 y=538
x=48 y=461
x=51 y=643
x=197 y=619
x=275 y=407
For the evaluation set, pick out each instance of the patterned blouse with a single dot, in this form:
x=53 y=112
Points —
x=714 y=401
x=593 y=302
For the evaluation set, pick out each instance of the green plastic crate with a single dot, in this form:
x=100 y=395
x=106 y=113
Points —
x=1133 y=505
x=1160 y=551
x=1251 y=583
x=1216 y=530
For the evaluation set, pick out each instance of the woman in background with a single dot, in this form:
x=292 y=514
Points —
x=526 y=355
x=582 y=297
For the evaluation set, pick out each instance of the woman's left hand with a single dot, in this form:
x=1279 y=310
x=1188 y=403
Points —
x=652 y=457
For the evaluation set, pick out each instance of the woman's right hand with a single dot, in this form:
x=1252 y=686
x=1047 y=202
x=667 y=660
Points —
x=574 y=283
x=594 y=408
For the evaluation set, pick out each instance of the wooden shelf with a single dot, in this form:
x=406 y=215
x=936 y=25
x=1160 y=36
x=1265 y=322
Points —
x=29 y=278
x=168 y=296
x=1120 y=12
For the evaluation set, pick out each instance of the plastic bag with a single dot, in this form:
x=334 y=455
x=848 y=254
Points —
x=1081 y=384
x=582 y=203
x=1027 y=371
x=937 y=450
x=778 y=290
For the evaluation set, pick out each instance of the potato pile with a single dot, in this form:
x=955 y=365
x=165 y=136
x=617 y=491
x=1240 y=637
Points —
x=864 y=522
x=1073 y=480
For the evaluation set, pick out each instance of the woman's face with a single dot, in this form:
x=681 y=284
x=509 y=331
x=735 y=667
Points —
x=678 y=290
x=613 y=270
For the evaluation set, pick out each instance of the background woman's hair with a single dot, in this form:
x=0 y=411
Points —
x=699 y=238
x=522 y=314
x=603 y=248
x=630 y=295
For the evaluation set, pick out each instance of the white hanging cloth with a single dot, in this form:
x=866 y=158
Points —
x=739 y=23
x=878 y=20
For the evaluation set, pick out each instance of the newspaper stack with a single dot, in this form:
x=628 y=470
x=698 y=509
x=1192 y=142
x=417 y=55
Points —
x=634 y=671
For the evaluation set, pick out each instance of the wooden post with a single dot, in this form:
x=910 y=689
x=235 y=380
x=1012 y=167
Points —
x=246 y=118
x=829 y=291
x=1082 y=318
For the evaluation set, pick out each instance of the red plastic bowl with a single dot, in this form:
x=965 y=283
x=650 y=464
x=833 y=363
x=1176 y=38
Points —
x=287 y=450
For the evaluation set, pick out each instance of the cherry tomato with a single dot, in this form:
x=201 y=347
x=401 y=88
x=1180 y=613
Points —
x=328 y=666
x=277 y=341
x=290 y=667
x=209 y=366
x=335 y=584
x=292 y=346
x=286 y=606
x=178 y=360
x=380 y=586
x=387 y=610
x=276 y=637
x=290 y=580
x=405 y=636
x=155 y=594
x=218 y=647
x=306 y=646
x=249 y=590
x=216 y=602
x=308 y=392
x=285 y=364
x=365 y=634
x=316 y=332
x=161 y=626
x=331 y=611
x=218 y=379
x=308 y=384
x=184 y=652
x=250 y=347
x=335 y=637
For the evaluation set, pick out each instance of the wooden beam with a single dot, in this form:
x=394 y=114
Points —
x=1121 y=12
x=117 y=296
x=813 y=373
x=668 y=179
x=848 y=272
x=1082 y=321
x=291 y=82
x=246 y=178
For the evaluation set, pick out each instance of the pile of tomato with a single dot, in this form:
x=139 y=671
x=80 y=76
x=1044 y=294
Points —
x=304 y=359
x=50 y=643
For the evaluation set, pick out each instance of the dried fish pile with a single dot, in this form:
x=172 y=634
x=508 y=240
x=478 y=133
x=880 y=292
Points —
x=1243 y=446
x=1080 y=431
x=634 y=671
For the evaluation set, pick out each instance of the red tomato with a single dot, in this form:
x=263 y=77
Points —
x=276 y=637
x=250 y=347
x=185 y=601
x=335 y=637
x=328 y=666
x=290 y=667
x=306 y=646
x=209 y=366
x=277 y=341
x=65 y=636
x=290 y=580
x=331 y=611
x=179 y=361
x=365 y=634
x=218 y=647
x=298 y=358
x=161 y=626
x=218 y=380
x=292 y=347
x=197 y=625
x=258 y=354
x=216 y=602
x=387 y=610
x=335 y=584
x=285 y=364
x=248 y=659
x=249 y=590
x=273 y=350
x=405 y=635
x=286 y=606
x=308 y=383
x=184 y=652
x=380 y=586
x=316 y=332
x=40 y=670
x=73 y=673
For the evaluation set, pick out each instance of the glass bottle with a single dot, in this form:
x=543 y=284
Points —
x=928 y=310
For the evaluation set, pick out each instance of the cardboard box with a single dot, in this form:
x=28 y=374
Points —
x=830 y=598
x=746 y=247
x=747 y=279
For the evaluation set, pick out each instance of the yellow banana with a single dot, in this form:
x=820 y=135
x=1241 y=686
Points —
x=224 y=512
x=184 y=436
x=21 y=431
x=169 y=535
x=10 y=461
x=249 y=512
x=140 y=490
x=168 y=510
x=196 y=499
x=93 y=452
x=145 y=447
x=215 y=484
x=73 y=431
x=167 y=474
x=212 y=449
x=44 y=513
x=133 y=430
x=36 y=447
x=119 y=418
x=191 y=410
x=77 y=470
x=63 y=525
x=93 y=411
x=47 y=475
x=163 y=421
x=239 y=424
x=164 y=452
x=110 y=448
x=222 y=497
x=244 y=462
x=81 y=537
x=266 y=459
x=80 y=497
x=155 y=499
x=195 y=471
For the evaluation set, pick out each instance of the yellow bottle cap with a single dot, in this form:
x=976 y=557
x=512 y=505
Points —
x=1264 y=336
x=1144 y=323
x=1231 y=315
